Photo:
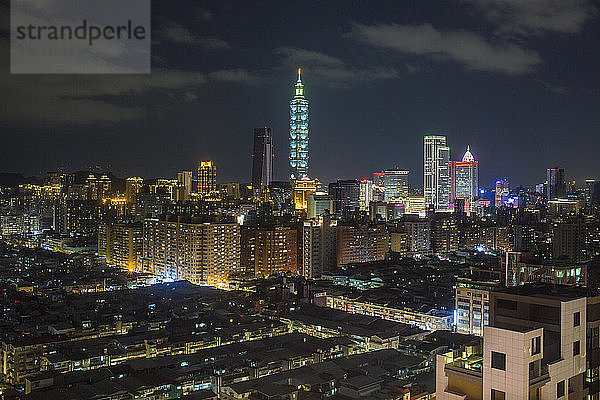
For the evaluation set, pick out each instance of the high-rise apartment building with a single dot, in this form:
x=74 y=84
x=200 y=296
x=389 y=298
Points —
x=395 y=182
x=556 y=185
x=299 y=132
x=262 y=160
x=568 y=240
x=269 y=250
x=193 y=249
x=361 y=243
x=473 y=305
x=185 y=183
x=318 y=246
x=133 y=186
x=436 y=172
x=207 y=177
x=121 y=244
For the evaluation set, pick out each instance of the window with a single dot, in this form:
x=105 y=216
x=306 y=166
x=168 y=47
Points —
x=576 y=318
x=536 y=344
x=560 y=389
x=499 y=361
x=576 y=348
x=498 y=395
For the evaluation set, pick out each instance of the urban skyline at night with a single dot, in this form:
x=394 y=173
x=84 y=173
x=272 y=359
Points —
x=372 y=94
x=285 y=200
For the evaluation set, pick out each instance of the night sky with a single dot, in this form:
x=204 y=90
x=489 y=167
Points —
x=519 y=81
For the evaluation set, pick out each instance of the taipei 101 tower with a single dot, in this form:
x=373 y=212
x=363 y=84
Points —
x=299 y=132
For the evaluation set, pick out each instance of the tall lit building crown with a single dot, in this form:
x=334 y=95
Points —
x=468 y=157
x=299 y=132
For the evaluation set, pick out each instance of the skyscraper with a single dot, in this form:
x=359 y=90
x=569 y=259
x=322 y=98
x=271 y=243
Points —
x=345 y=194
x=395 y=184
x=502 y=192
x=185 y=182
x=299 y=132
x=465 y=179
x=132 y=187
x=556 y=185
x=207 y=177
x=262 y=160
x=436 y=172
x=366 y=194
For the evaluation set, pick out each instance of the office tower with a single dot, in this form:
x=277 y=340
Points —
x=436 y=172
x=133 y=186
x=366 y=194
x=379 y=178
x=207 y=177
x=262 y=160
x=299 y=132
x=395 y=182
x=541 y=343
x=379 y=186
x=198 y=250
x=345 y=194
x=318 y=204
x=269 y=250
x=556 y=185
x=361 y=243
x=502 y=192
x=465 y=180
x=318 y=246
x=121 y=244
x=79 y=217
x=185 y=181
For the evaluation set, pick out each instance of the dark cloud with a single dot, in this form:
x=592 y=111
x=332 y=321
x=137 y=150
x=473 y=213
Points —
x=177 y=33
x=536 y=17
x=330 y=69
x=468 y=48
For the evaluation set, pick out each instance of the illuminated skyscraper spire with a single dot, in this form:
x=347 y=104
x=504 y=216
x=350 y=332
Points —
x=299 y=132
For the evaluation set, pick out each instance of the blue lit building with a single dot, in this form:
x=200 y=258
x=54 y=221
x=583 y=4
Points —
x=299 y=132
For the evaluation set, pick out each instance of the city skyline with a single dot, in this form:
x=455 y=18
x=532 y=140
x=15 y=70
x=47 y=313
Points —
x=293 y=200
x=372 y=95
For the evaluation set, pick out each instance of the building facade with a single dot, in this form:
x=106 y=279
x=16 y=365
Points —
x=319 y=240
x=262 y=160
x=270 y=250
x=362 y=243
x=191 y=249
x=207 y=177
x=465 y=180
x=299 y=132
x=436 y=172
